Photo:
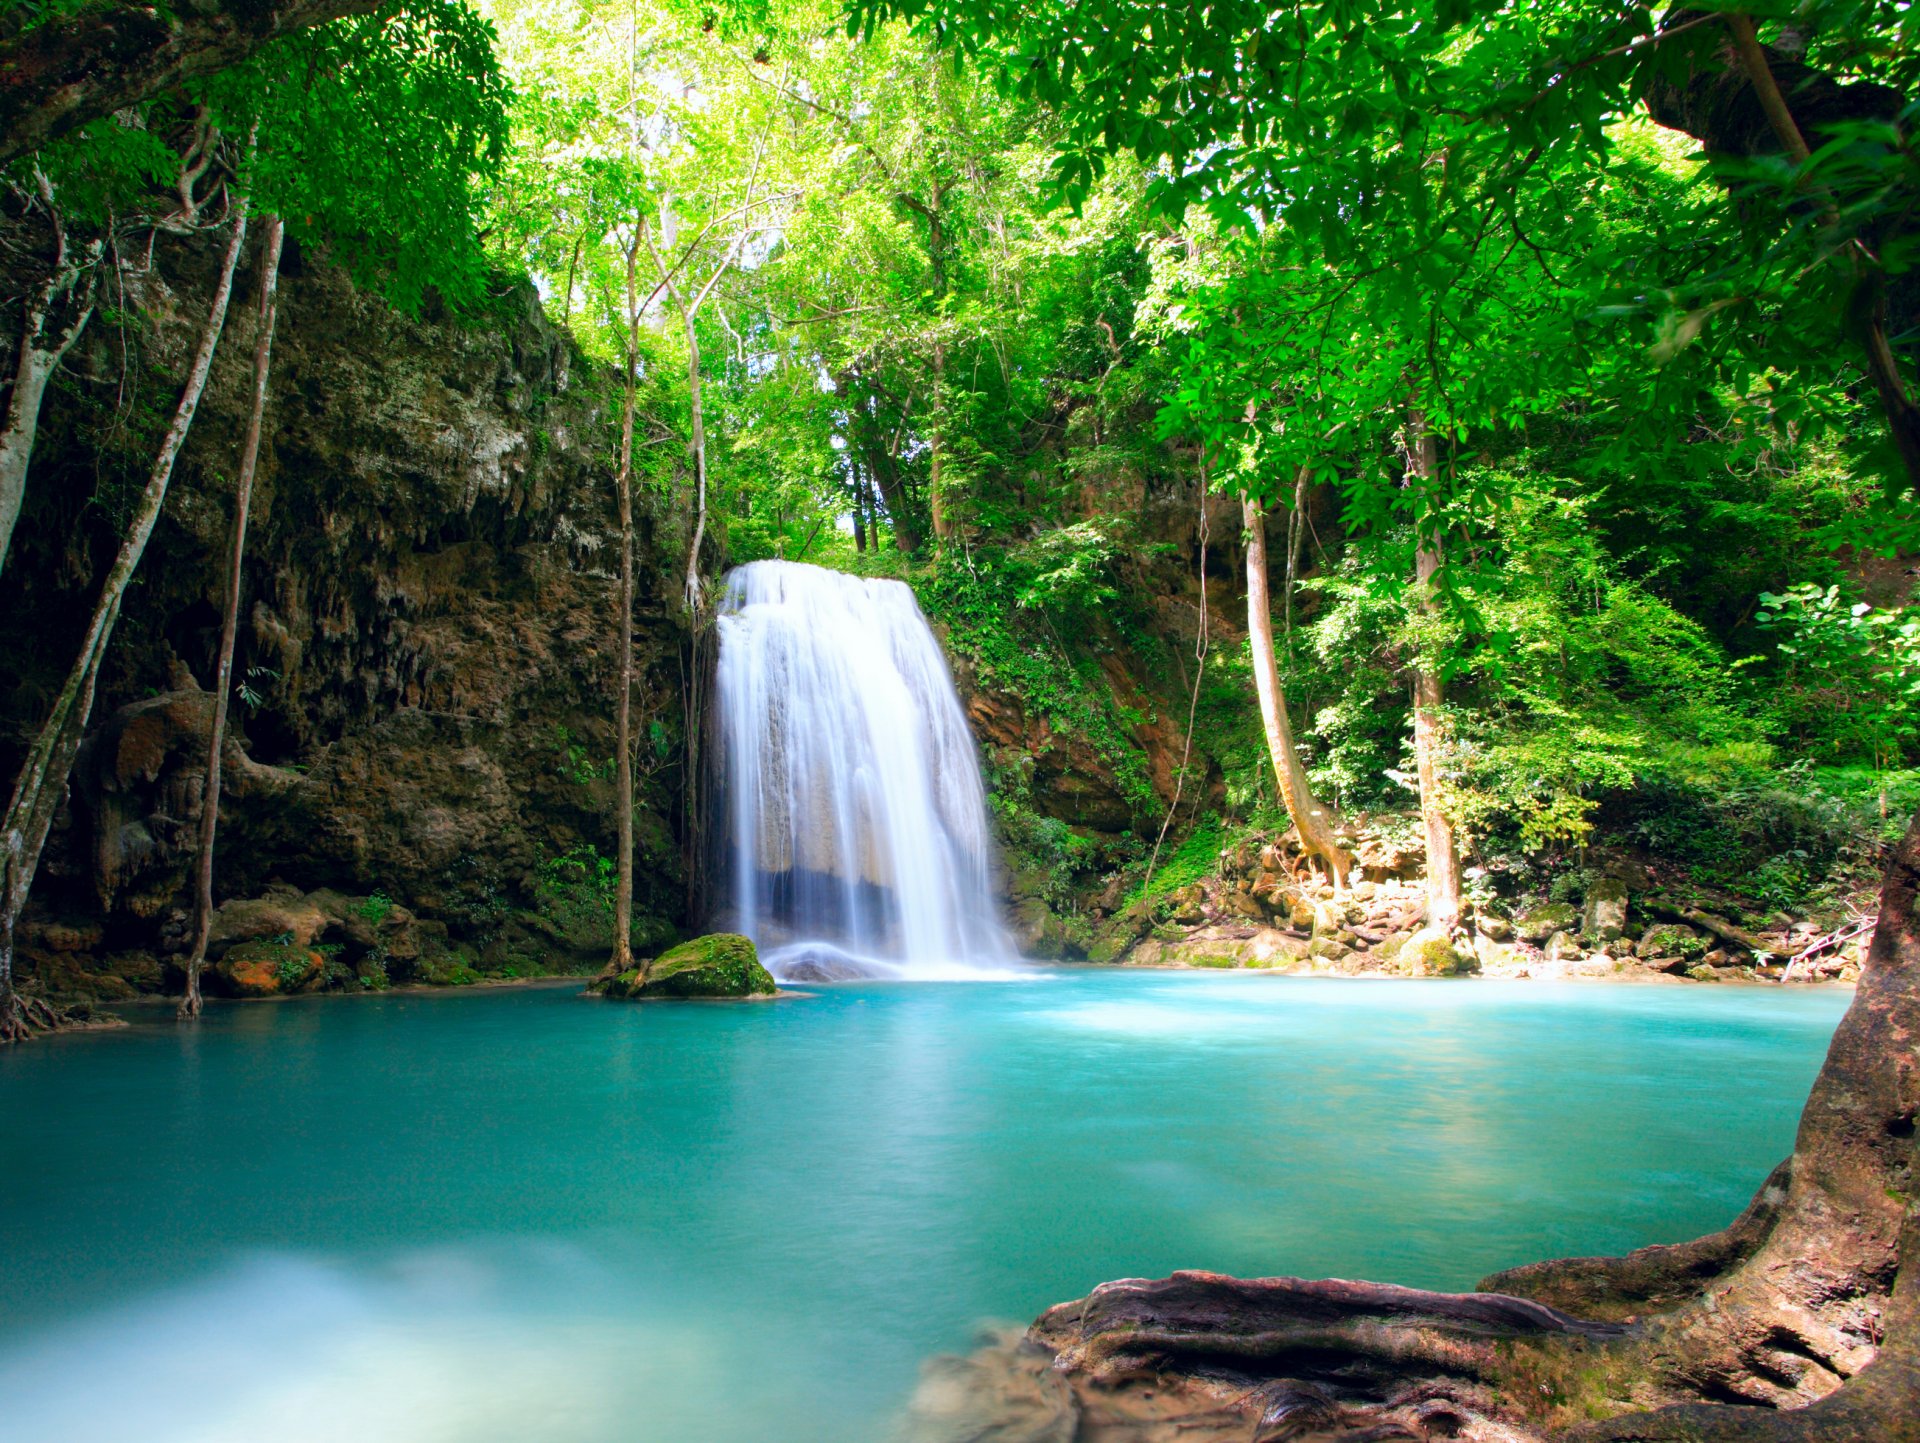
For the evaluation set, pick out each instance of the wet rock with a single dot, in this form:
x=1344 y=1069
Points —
x=723 y=964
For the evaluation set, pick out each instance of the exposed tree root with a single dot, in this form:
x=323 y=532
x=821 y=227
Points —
x=1798 y=1323
x=24 y=1017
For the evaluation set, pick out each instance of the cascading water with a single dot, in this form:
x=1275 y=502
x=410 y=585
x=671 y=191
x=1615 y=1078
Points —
x=856 y=821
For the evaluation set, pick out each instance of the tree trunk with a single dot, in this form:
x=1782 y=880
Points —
x=58 y=76
x=1798 y=1324
x=622 y=957
x=859 y=505
x=1429 y=704
x=43 y=777
x=40 y=356
x=230 y=622
x=699 y=452
x=1314 y=823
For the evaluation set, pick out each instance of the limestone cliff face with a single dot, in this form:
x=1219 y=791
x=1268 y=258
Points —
x=427 y=643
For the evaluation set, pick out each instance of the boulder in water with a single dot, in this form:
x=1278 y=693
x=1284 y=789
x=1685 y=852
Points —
x=724 y=964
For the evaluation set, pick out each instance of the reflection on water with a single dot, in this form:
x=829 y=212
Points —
x=526 y=1216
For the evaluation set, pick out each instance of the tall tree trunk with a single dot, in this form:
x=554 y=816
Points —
x=623 y=703
x=44 y=343
x=230 y=622
x=1314 y=823
x=1429 y=700
x=699 y=451
x=43 y=777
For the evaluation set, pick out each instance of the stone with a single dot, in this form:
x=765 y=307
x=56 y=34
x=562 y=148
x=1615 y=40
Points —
x=1300 y=914
x=1606 y=911
x=1561 y=946
x=1672 y=939
x=1189 y=903
x=1329 y=919
x=1429 y=954
x=1703 y=974
x=1330 y=949
x=1499 y=929
x=1242 y=904
x=1540 y=922
x=267 y=967
x=723 y=964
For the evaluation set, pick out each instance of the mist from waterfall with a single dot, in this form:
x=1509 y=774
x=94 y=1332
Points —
x=856 y=822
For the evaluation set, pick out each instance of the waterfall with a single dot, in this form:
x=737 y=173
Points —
x=856 y=823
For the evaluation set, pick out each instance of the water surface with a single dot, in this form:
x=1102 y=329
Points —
x=527 y=1216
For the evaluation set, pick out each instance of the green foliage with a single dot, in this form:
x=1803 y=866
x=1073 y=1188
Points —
x=376 y=136
x=292 y=971
x=1193 y=860
x=1849 y=672
x=576 y=761
x=374 y=910
x=977 y=599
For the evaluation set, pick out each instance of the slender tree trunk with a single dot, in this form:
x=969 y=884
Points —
x=699 y=449
x=1429 y=703
x=41 y=353
x=230 y=623
x=623 y=703
x=43 y=778
x=1314 y=823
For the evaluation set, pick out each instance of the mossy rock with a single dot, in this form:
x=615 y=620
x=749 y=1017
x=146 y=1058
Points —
x=1541 y=921
x=1672 y=939
x=724 y=964
x=1427 y=955
x=269 y=967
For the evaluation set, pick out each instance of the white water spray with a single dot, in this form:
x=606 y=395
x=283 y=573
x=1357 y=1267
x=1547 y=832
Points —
x=856 y=821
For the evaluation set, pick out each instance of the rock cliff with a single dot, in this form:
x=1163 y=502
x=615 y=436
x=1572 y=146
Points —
x=426 y=652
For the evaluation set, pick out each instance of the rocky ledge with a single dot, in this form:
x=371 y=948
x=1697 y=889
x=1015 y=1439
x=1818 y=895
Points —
x=1263 y=908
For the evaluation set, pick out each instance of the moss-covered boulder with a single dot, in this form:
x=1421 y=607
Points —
x=1673 y=939
x=1433 y=954
x=1541 y=921
x=721 y=965
x=268 y=967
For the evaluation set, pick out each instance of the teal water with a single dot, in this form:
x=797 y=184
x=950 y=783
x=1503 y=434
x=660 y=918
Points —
x=527 y=1216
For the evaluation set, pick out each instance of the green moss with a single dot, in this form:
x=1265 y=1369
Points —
x=1437 y=957
x=721 y=965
